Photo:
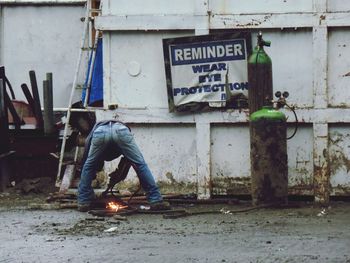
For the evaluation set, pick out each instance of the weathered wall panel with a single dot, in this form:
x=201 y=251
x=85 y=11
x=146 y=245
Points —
x=44 y=39
x=291 y=52
x=300 y=160
x=339 y=157
x=137 y=66
x=339 y=67
x=230 y=167
x=230 y=149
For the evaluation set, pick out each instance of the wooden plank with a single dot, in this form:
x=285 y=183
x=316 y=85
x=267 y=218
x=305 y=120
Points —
x=4 y=129
x=67 y=179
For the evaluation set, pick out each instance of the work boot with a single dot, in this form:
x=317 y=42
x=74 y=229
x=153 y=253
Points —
x=160 y=206
x=87 y=205
x=84 y=207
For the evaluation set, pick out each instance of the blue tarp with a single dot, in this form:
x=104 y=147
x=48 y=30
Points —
x=96 y=92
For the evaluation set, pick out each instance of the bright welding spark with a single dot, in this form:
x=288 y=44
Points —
x=115 y=206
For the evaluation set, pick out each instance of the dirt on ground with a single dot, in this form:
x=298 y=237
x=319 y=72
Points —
x=31 y=230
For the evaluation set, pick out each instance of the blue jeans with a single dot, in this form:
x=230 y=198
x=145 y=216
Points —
x=108 y=142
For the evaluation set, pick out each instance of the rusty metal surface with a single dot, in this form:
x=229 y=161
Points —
x=339 y=159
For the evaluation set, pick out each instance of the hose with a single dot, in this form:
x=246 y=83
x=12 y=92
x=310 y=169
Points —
x=178 y=214
x=134 y=194
x=296 y=121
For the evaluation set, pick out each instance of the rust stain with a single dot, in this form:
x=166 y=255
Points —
x=301 y=190
x=339 y=160
x=340 y=191
x=172 y=186
x=322 y=184
x=303 y=181
x=231 y=185
x=242 y=186
x=337 y=157
x=322 y=18
x=253 y=23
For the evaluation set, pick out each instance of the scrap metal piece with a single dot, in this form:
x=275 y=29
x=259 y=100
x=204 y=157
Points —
x=35 y=92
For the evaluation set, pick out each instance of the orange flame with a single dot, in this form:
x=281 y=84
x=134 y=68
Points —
x=115 y=206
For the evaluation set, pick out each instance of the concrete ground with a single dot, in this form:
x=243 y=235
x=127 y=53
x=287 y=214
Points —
x=303 y=234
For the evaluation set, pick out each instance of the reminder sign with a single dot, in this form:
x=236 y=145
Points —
x=206 y=69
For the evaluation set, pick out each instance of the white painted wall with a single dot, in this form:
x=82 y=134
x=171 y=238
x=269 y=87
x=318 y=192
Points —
x=44 y=38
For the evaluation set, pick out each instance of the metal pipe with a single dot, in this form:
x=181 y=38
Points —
x=6 y=81
x=4 y=133
x=4 y=138
x=16 y=119
x=35 y=92
x=48 y=105
x=29 y=97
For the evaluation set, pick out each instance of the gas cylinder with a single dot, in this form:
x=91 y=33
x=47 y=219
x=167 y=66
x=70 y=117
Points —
x=268 y=153
x=260 y=90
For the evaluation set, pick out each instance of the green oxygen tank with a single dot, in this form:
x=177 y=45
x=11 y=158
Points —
x=268 y=153
x=260 y=91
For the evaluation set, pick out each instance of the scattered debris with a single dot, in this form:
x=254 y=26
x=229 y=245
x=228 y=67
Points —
x=323 y=212
x=95 y=219
x=225 y=211
x=145 y=207
x=35 y=185
x=112 y=229
x=119 y=217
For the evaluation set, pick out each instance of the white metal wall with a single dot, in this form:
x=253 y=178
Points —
x=43 y=36
x=309 y=51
